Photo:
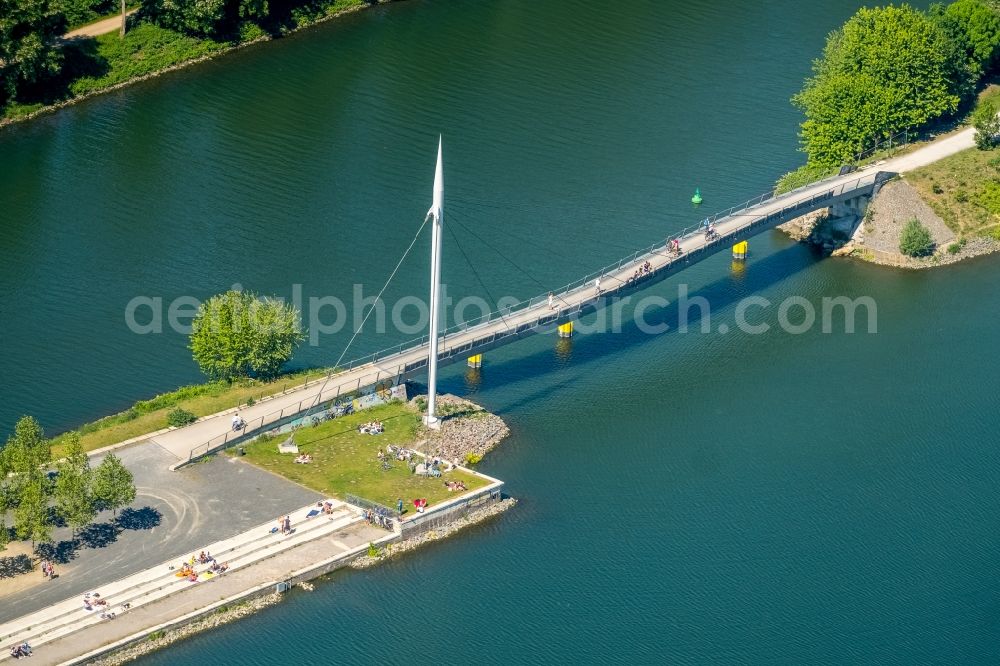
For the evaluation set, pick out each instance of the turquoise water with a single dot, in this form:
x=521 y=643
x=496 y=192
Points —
x=684 y=498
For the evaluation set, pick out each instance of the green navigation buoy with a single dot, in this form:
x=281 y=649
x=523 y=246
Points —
x=696 y=199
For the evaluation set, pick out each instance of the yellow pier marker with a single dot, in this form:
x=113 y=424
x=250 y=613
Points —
x=476 y=361
x=566 y=330
x=740 y=250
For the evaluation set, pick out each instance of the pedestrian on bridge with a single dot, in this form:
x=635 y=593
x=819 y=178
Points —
x=552 y=301
x=597 y=285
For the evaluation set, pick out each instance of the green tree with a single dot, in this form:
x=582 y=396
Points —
x=987 y=125
x=74 y=500
x=201 y=18
x=236 y=334
x=29 y=30
x=26 y=448
x=250 y=10
x=112 y=485
x=887 y=69
x=916 y=240
x=31 y=516
x=974 y=25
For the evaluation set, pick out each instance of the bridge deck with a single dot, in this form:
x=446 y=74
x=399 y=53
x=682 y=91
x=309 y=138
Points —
x=573 y=300
x=529 y=317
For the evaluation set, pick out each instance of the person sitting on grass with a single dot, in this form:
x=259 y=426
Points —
x=371 y=428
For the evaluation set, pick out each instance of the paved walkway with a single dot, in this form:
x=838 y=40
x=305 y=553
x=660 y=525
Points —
x=215 y=430
x=157 y=595
x=101 y=27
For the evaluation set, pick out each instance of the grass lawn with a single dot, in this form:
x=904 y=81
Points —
x=345 y=461
x=201 y=400
x=991 y=93
x=964 y=190
x=146 y=48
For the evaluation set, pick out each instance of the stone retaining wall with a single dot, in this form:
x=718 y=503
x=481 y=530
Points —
x=438 y=523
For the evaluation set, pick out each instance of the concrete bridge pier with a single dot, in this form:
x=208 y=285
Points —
x=846 y=216
x=855 y=207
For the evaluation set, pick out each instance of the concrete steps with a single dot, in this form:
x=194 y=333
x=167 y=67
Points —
x=157 y=582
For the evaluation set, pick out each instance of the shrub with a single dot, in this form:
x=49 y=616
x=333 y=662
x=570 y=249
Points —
x=472 y=458
x=373 y=551
x=987 y=125
x=180 y=417
x=954 y=248
x=251 y=31
x=916 y=240
x=804 y=175
x=937 y=189
x=961 y=196
x=989 y=197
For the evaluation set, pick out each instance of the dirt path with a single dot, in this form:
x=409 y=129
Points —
x=100 y=27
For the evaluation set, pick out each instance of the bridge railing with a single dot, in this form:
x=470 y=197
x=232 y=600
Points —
x=610 y=269
x=252 y=427
x=393 y=357
x=656 y=249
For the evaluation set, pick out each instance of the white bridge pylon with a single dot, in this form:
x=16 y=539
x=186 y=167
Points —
x=436 y=213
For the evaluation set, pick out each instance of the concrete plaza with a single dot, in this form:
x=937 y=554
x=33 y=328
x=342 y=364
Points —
x=173 y=513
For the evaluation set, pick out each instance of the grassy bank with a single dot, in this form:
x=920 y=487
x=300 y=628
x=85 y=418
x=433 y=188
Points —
x=964 y=190
x=92 y=65
x=148 y=416
x=345 y=460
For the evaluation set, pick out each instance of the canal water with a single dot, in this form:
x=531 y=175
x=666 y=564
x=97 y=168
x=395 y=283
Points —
x=819 y=497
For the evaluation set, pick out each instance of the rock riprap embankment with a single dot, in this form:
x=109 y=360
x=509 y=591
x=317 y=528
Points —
x=467 y=430
x=158 y=640
x=400 y=547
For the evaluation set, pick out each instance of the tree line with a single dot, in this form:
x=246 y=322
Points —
x=40 y=495
x=894 y=68
x=30 y=30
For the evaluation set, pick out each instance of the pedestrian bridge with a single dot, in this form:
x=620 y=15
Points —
x=531 y=316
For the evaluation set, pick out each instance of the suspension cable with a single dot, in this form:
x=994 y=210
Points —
x=369 y=313
x=479 y=279
x=506 y=258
